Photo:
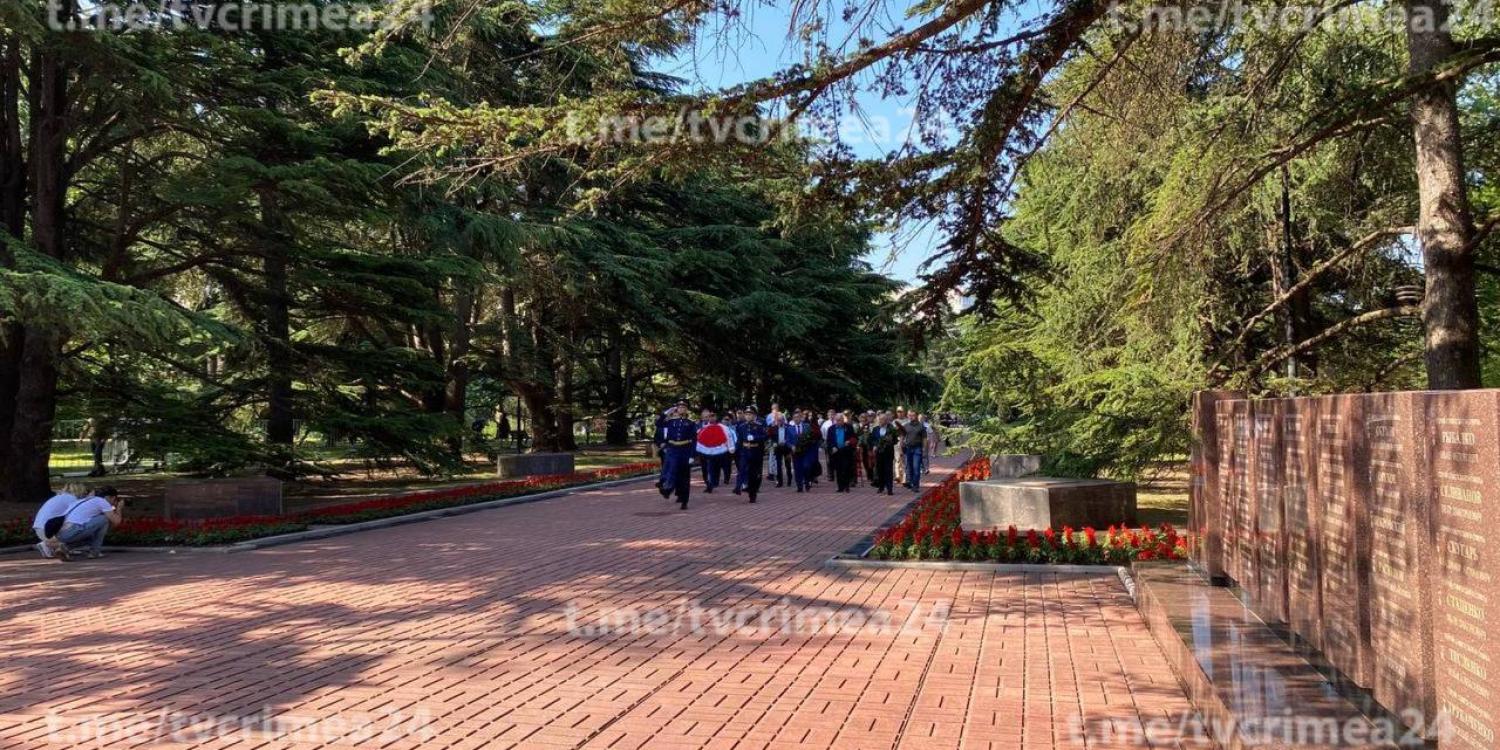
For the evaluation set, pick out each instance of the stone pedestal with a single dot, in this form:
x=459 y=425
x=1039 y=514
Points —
x=1011 y=465
x=1045 y=503
x=221 y=498
x=517 y=466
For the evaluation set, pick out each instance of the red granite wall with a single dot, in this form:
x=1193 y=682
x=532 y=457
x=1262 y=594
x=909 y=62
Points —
x=1361 y=522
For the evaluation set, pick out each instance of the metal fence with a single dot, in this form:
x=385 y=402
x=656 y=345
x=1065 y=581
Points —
x=73 y=452
x=73 y=455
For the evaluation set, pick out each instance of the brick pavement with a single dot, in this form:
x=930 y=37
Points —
x=571 y=623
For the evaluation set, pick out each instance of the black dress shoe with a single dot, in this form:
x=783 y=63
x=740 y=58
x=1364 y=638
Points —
x=736 y=490
x=779 y=484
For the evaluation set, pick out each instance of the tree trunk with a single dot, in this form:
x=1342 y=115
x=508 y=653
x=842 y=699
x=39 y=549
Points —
x=541 y=402
x=12 y=226
x=12 y=148
x=1294 y=316
x=564 y=411
x=456 y=385
x=280 y=424
x=616 y=391
x=26 y=477
x=532 y=374
x=35 y=405
x=1450 y=312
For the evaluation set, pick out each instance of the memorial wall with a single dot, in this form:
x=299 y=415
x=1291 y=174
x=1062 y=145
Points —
x=1362 y=523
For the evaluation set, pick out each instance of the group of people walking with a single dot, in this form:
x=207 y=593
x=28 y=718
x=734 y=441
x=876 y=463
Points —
x=881 y=448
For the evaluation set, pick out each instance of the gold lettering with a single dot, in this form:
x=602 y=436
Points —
x=1465 y=551
x=1467 y=664
x=1471 y=722
x=1465 y=606
x=1462 y=494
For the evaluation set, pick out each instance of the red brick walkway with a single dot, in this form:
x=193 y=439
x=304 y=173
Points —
x=603 y=619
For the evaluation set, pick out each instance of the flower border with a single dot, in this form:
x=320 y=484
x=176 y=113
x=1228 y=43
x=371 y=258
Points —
x=160 y=532
x=931 y=531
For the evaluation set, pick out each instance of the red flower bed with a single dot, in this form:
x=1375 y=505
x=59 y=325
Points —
x=16 y=531
x=157 y=532
x=383 y=507
x=931 y=531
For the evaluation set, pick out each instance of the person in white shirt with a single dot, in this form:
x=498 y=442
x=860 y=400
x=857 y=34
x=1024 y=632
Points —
x=773 y=419
x=900 y=424
x=88 y=521
x=827 y=444
x=57 y=505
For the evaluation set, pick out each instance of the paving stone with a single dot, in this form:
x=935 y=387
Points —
x=513 y=628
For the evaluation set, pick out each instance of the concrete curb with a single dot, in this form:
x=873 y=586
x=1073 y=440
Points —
x=856 y=562
x=861 y=548
x=378 y=523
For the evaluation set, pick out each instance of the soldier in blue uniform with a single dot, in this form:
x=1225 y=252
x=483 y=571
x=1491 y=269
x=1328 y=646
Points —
x=742 y=419
x=751 y=453
x=679 y=436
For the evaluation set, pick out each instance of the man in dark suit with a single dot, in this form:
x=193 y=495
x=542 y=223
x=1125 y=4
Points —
x=882 y=442
x=783 y=439
x=866 y=454
x=841 y=439
x=805 y=454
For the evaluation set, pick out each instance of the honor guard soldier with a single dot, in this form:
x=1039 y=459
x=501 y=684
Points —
x=751 y=455
x=679 y=435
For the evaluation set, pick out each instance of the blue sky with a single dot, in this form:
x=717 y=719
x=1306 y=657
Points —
x=757 y=46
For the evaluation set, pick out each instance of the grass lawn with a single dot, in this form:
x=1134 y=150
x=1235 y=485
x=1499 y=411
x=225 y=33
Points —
x=1162 y=496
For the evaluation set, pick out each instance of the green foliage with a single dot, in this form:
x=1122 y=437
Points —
x=273 y=232
x=1147 y=294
